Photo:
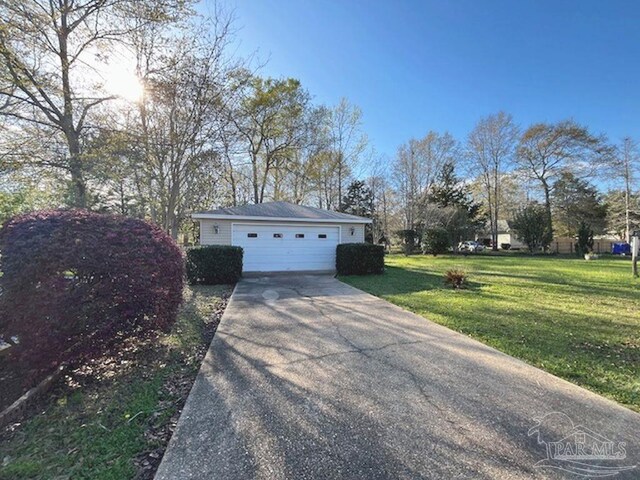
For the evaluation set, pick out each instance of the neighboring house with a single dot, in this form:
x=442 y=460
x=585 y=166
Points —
x=281 y=236
x=508 y=236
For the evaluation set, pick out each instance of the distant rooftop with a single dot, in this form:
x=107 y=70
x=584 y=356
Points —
x=281 y=210
x=503 y=226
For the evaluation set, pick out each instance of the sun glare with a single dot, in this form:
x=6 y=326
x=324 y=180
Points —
x=118 y=76
x=123 y=82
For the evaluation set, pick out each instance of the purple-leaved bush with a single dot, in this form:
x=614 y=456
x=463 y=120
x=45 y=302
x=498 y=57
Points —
x=75 y=283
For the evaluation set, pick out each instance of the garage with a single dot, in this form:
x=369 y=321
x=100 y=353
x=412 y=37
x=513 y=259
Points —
x=274 y=247
x=281 y=236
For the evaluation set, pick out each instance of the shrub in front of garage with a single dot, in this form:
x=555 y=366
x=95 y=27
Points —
x=214 y=264
x=359 y=259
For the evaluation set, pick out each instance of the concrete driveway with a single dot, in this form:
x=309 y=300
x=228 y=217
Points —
x=308 y=378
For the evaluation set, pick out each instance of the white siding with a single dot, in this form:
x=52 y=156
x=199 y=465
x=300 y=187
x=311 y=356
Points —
x=510 y=239
x=358 y=233
x=207 y=235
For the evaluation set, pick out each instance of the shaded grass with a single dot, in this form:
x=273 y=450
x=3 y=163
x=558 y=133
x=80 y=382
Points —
x=104 y=427
x=578 y=320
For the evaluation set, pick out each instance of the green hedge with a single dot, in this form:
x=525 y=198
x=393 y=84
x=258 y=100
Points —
x=359 y=259
x=214 y=264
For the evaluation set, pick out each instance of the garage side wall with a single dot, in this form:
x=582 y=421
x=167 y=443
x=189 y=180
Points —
x=358 y=233
x=223 y=237
x=207 y=235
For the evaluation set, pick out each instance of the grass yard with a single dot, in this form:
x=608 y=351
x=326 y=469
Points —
x=578 y=320
x=113 y=419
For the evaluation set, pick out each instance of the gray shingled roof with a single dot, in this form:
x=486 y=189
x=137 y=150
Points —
x=281 y=210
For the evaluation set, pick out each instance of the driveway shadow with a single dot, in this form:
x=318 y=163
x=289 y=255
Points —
x=349 y=386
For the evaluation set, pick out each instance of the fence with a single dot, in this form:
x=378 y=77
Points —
x=568 y=245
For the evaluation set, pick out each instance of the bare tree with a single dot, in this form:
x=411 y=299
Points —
x=546 y=150
x=415 y=169
x=347 y=140
x=625 y=165
x=491 y=146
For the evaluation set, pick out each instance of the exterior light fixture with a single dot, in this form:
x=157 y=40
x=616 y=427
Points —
x=216 y=229
x=352 y=231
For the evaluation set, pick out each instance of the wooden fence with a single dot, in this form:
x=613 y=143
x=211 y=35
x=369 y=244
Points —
x=568 y=245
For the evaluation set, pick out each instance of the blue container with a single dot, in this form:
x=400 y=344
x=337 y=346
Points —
x=621 y=248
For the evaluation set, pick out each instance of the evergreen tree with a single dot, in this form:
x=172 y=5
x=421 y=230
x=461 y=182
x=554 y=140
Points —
x=576 y=201
x=531 y=226
x=450 y=206
x=358 y=200
x=585 y=239
x=448 y=190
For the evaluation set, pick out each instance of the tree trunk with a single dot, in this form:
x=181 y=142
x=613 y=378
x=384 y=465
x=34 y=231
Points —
x=254 y=178
x=496 y=202
x=547 y=206
x=627 y=200
x=78 y=184
x=72 y=135
x=494 y=233
x=339 y=181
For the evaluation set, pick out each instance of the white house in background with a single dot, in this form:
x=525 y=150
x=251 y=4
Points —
x=281 y=236
x=508 y=236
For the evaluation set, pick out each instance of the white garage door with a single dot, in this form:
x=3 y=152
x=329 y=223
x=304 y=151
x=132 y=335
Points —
x=274 y=248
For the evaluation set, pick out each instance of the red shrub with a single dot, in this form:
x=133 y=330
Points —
x=455 y=278
x=75 y=283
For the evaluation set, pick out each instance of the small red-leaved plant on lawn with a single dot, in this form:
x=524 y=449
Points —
x=76 y=283
x=455 y=278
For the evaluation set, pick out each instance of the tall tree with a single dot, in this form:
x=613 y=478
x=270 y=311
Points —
x=575 y=201
x=382 y=206
x=48 y=51
x=415 y=169
x=358 y=200
x=180 y=117
x=301 y=181
x=449 y=205
x=547 y=150
x=623 y=212
x=490 y=147
x=272 y=119
x=626 y=164
x=347 y=142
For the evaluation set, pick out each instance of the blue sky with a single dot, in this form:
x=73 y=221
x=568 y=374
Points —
x=415 y=66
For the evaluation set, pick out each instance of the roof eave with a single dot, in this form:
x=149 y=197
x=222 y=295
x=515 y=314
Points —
x=223 y=216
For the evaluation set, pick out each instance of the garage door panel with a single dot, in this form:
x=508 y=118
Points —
x=288 y=253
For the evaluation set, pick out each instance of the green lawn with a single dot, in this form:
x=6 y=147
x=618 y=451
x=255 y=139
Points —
x=113 y=421
x=577 y=319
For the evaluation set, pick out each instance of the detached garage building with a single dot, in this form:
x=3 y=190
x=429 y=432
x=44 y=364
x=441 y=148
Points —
x=281 y=236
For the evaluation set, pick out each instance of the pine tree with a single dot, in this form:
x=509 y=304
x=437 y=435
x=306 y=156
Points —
x=358 y=200
x=450 y=191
